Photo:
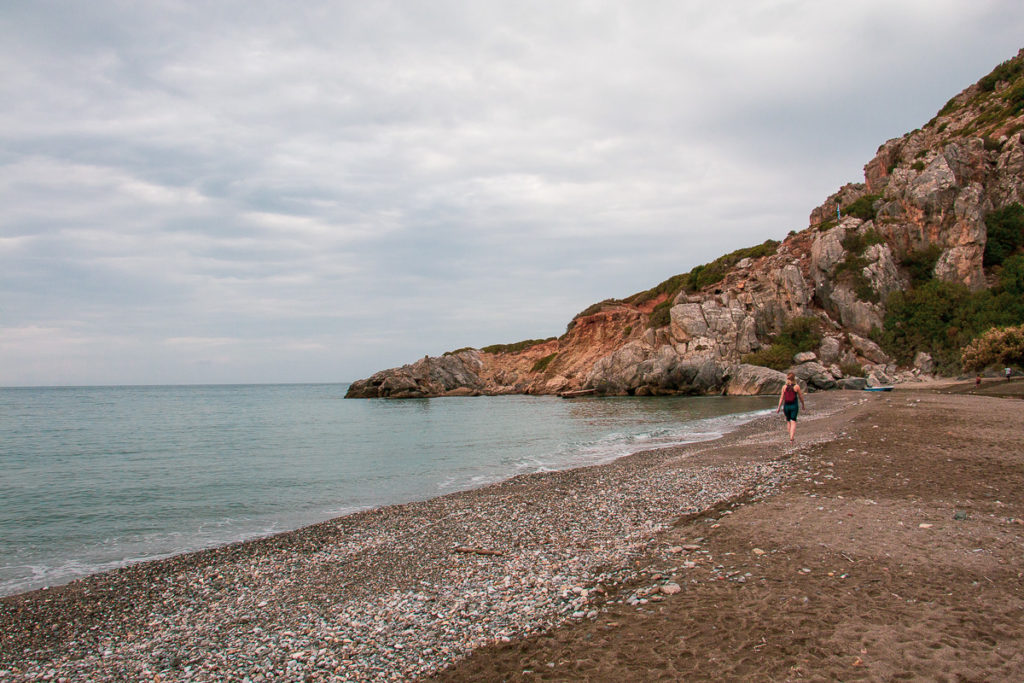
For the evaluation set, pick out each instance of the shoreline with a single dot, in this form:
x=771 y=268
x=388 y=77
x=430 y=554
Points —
x=606 y=448
x=303 y=601
x=891 y=551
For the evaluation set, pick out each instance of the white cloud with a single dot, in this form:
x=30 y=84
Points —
x=362 y=183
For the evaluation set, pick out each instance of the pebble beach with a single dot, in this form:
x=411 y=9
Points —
x=400 y=592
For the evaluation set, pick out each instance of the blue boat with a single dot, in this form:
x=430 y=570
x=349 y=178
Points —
x=878 y=389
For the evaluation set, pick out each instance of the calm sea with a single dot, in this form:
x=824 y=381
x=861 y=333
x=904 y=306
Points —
x=93 y=478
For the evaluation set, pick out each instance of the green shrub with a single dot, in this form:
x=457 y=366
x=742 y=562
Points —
x=698 y=278
x=920 y=264
x=948 y=107
x=593 y=308
x=942 y=317
x=917 y=166
x=801 y=334
x=851 y=271
x=1011 y=276
x=711 y=273
x=671 y=287
x=542 y=364
x=776 y=357
x=1007 y=71
x=798 y=334
x=863 y=288
x=661 y=315
x=852 y=369
x=1014 y=98
x=1005 y=233
x=458 y=351
x=863 y=208
x=856 y=242
x=515 y=348
x=927 y=318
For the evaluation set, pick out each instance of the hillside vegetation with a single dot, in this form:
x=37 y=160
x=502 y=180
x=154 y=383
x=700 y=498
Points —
x=892 y=279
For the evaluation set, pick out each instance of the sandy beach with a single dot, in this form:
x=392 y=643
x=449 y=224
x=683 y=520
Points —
x=886 y=543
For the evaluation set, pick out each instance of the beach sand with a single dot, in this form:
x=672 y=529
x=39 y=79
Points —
x=894 y=552
x=837 y=557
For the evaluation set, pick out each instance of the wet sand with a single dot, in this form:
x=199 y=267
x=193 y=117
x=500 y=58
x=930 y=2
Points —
x=642 y=569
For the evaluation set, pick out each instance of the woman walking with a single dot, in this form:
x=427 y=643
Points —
x=791 y=393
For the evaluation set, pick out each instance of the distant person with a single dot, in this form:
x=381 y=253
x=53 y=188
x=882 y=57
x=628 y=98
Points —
x=1008 y=373
x=791 y=393
x=977 y=382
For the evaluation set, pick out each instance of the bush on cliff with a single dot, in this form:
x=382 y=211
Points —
x=661 y=315
x=1007 y=71
x=542 y=364
x=515 y=348
x=920 y=264
x=776 y=357
x=696 y=279
x=863 y=208
x=1005 y=233
x=797 y=335
x=711 y=273
x=941 y=318
x=852 y=370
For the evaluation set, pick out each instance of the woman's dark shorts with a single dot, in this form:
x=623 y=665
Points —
x=790 y=410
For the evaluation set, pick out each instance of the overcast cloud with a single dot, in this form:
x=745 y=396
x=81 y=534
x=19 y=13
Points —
x=197 y=192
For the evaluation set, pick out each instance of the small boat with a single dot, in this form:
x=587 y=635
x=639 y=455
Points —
x=878 y=389
x=578 y=393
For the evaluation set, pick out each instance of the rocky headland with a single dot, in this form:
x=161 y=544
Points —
x=919 y=212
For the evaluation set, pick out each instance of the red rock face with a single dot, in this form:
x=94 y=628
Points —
x=591 y=337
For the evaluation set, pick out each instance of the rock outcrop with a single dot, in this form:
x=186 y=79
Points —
x=927 y=191
x=457 y=374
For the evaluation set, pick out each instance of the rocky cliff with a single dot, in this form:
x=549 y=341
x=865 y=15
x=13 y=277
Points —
x=926 y=193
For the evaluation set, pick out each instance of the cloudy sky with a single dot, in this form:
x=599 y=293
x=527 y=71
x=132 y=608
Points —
x=263 y=191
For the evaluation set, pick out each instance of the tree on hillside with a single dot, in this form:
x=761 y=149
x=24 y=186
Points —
x=1003 y=346
x=1005 y=233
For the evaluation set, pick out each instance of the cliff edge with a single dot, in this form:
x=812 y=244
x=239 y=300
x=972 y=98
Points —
x=919 y=214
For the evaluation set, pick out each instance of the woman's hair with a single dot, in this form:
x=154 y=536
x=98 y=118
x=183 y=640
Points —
x=791 y=377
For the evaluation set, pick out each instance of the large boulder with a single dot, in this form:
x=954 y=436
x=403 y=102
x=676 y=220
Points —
x=1008 y=185
x=643 y=371
x=868 y=349
x=877 y=377
x=935 y=187
x=453 y=374
x=713 y=328
x=618 y=372
x=830 y=350
x=924 y=362
x=815 y=376
x=753 y=380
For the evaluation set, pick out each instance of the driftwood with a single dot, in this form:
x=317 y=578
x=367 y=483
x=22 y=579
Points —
x=577 y=393
x=476 y=551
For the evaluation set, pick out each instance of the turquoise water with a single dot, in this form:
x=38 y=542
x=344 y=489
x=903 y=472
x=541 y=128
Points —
x=98 y=477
